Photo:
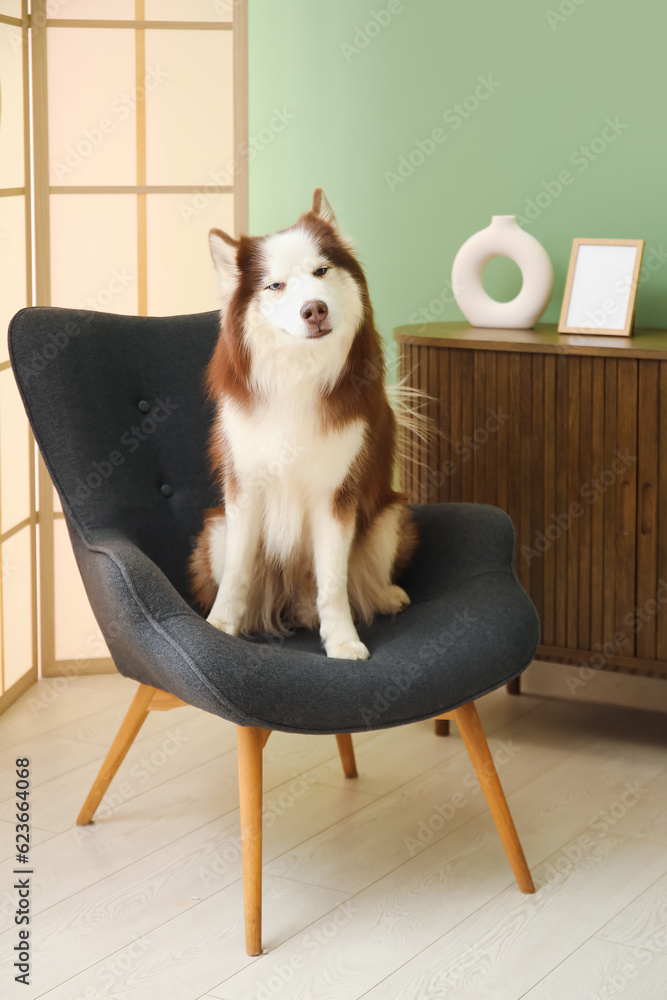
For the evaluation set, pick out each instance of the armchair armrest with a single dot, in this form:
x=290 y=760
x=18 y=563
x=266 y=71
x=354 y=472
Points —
x=489 y=539
x=153 y=635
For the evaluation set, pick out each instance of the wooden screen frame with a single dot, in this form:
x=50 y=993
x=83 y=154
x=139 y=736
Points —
x=632 y=300
x=11 y=694
x=41 y=23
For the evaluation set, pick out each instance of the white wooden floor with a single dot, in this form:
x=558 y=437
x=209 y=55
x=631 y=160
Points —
x=393 y=886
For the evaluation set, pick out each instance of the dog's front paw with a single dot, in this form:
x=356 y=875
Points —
x=350 y=649
x=394 y=600
x=227 y=627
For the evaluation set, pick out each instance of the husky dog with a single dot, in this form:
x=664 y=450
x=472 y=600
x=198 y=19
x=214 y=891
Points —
x=310 y=532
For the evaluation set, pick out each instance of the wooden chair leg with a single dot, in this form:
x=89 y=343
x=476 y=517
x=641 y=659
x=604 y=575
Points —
x=474 y=739
x=514 y=687
x=346 y=751
x=137 y=714
x=250 y=745
x=442 y=724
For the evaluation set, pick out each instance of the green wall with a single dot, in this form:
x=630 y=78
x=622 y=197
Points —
x=557 y=71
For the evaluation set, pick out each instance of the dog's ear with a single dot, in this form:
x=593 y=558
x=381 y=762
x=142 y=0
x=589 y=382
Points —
x=322 y=208
x=223 y=252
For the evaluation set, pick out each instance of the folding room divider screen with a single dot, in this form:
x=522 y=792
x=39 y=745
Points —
x=136 y=115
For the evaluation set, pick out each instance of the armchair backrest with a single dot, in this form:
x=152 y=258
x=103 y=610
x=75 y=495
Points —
x=117 y=407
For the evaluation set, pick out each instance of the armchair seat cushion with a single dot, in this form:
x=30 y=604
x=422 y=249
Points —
x=470 y=629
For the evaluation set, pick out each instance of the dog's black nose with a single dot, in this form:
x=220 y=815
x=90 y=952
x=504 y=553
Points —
x=314 y=312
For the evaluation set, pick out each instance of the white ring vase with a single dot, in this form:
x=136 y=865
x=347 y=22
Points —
x=503 y=238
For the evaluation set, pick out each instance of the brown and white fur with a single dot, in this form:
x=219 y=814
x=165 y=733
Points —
x=311 y=532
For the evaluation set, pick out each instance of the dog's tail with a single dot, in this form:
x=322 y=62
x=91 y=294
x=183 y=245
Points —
x=416 y=429
x=409 y=405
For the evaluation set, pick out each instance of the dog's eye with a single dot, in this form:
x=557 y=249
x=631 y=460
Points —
x=321 y=271
x=275 y=286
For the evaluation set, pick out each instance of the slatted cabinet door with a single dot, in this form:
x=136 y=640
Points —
x=647 y=506
x=650 y=618
x=660 y=531
x=573 y=445
x=626 y=504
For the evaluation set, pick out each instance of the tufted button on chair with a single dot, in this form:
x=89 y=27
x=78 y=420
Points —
x=117 y=408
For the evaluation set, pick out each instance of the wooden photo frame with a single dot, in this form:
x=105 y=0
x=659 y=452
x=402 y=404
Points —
x=601 y=287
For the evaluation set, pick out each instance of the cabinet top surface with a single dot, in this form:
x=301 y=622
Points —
x=543 y=339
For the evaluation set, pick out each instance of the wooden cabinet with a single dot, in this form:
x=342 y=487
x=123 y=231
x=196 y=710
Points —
x=568 y=434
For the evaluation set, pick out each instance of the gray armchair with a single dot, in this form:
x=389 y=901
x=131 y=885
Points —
x=117 y=408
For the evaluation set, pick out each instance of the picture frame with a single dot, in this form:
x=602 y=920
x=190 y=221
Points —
x=601 y=287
